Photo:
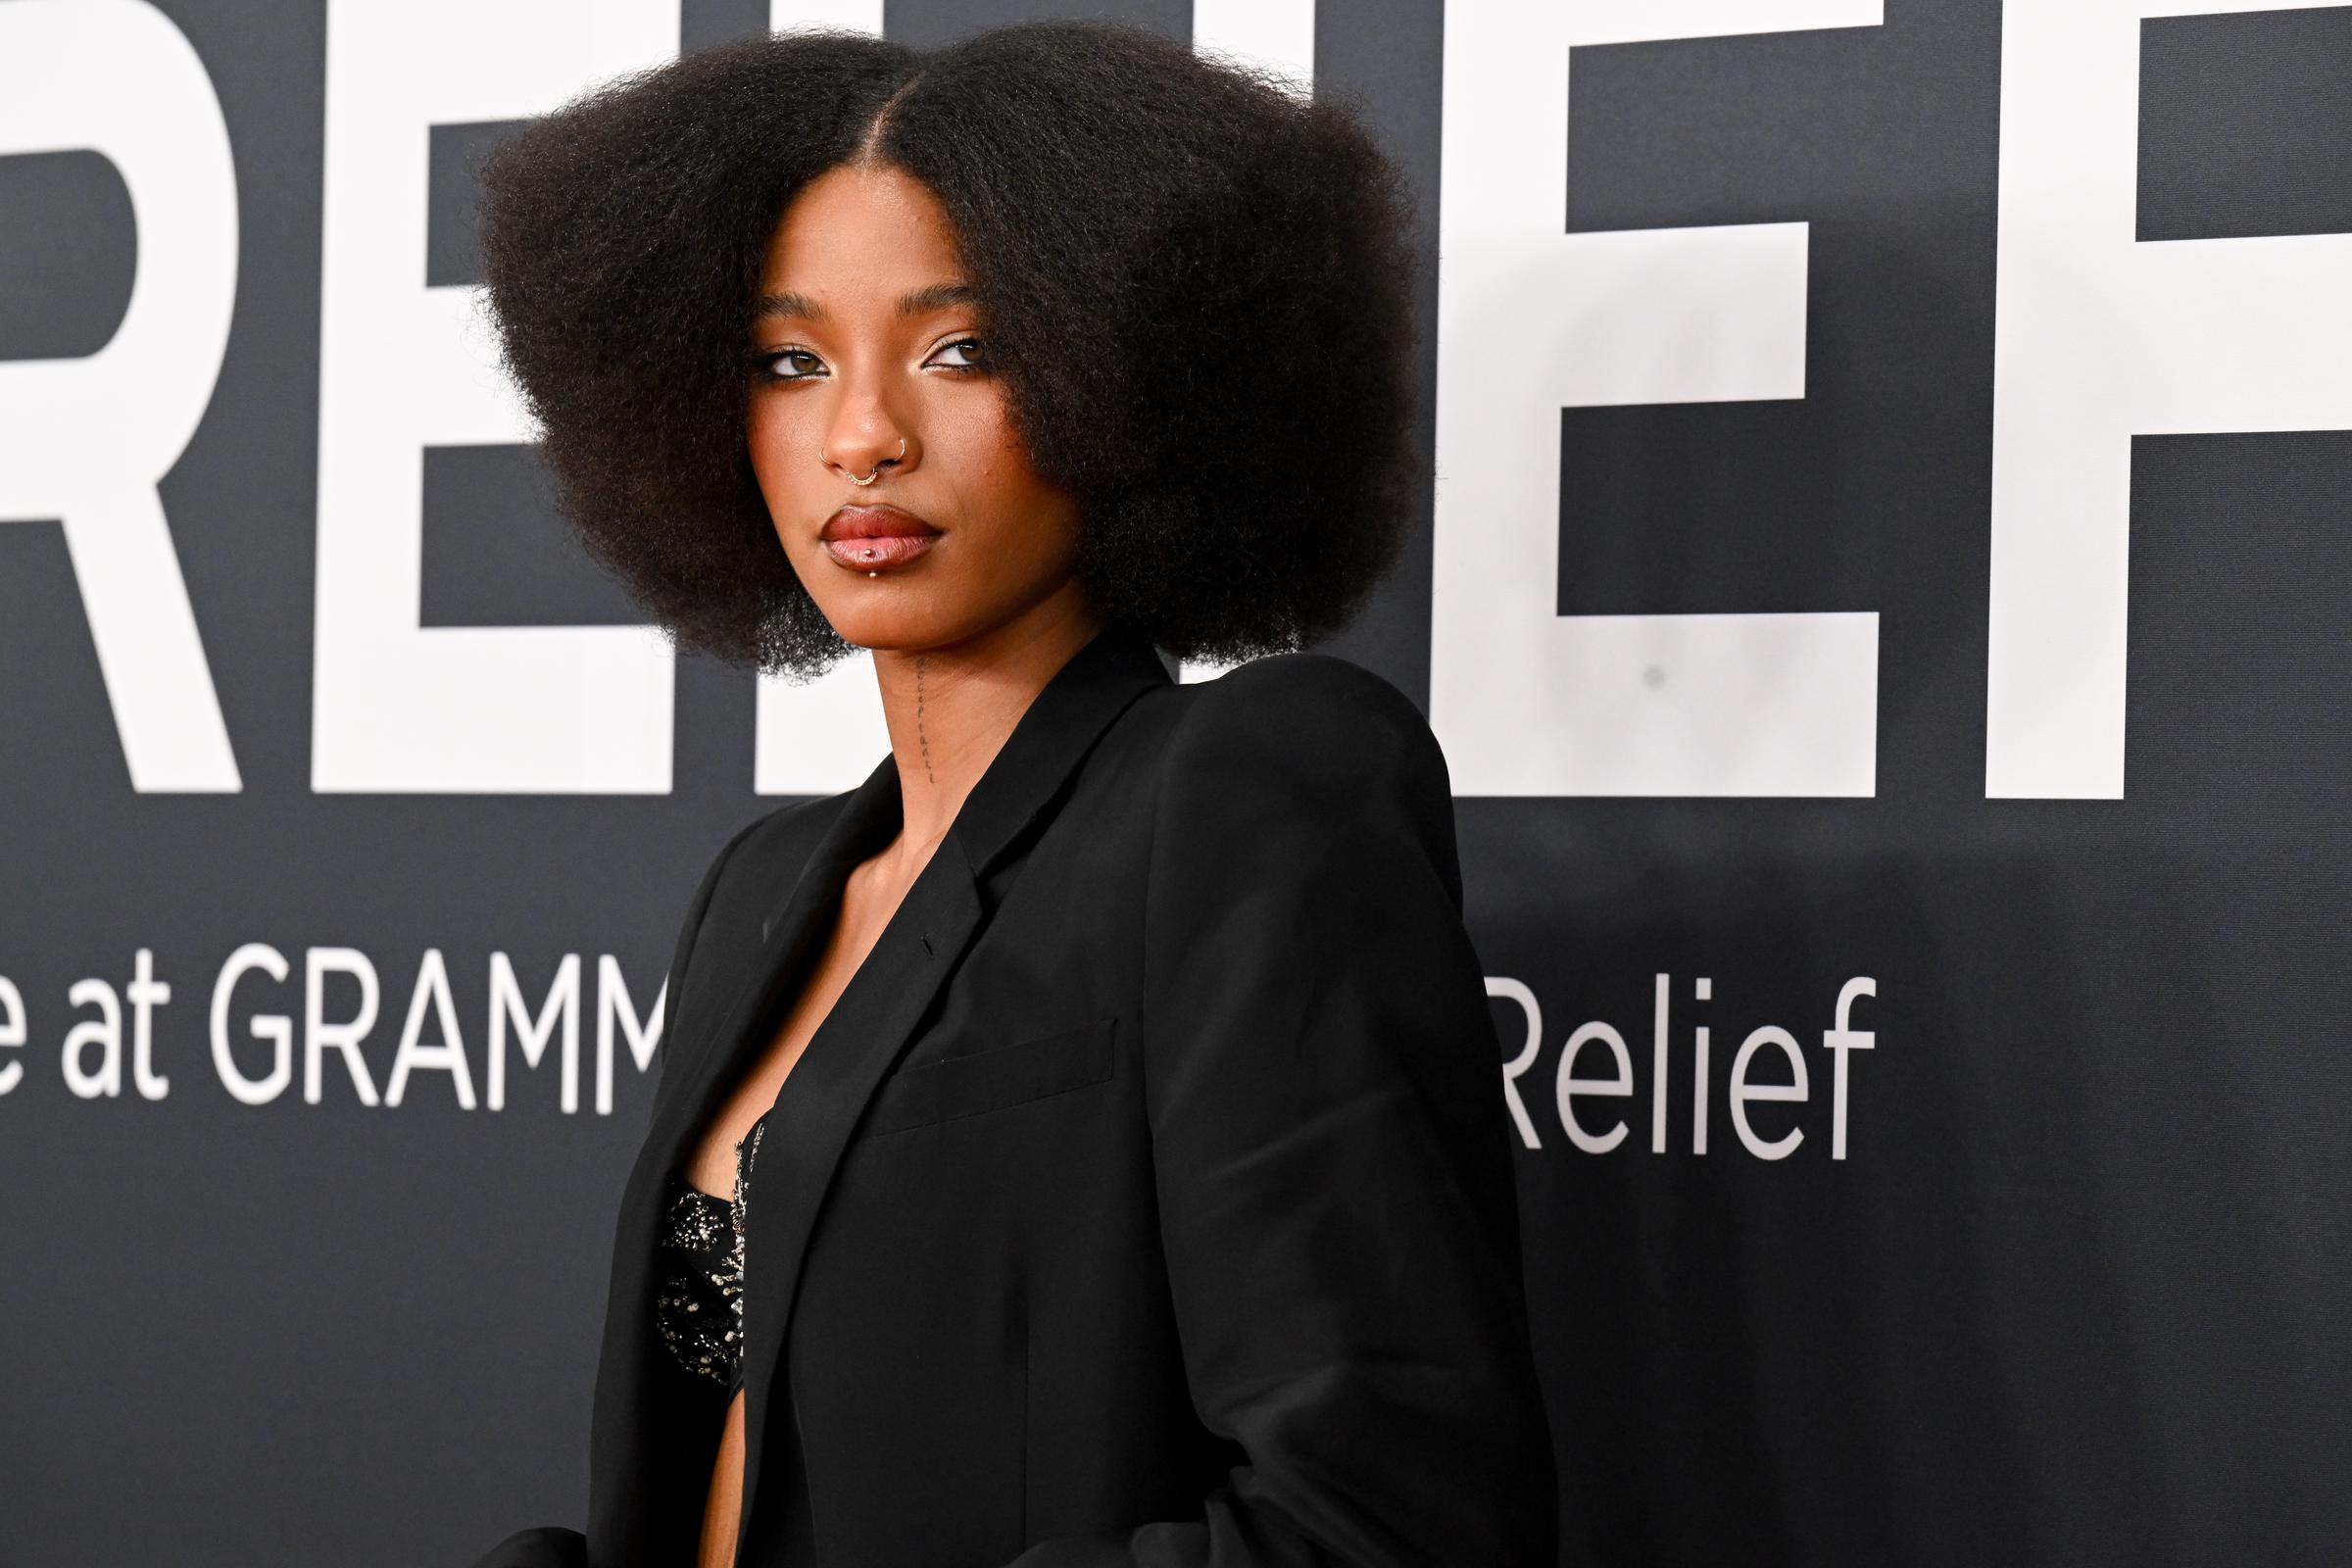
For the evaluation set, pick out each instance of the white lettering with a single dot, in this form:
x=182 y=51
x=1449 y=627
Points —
x=1742 y=1092
x=397 y=707
x=1837 y=1042
x=1272 y=35
x=613 y=1006
x=145 y=994
x=563 y=1006
x=105 y=1032
x=1531 y=320
x=2097 y=338
x=1704 y=989
x=1530 y=1046
x=275 y=1029
x=1570 y=1087
x=319 y=1036
x=449 y=1054
x=118 y=78
x=12 y=1032
x=1657 y=1066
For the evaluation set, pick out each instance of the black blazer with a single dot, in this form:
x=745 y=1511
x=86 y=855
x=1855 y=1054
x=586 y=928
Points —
x=1147 y=1197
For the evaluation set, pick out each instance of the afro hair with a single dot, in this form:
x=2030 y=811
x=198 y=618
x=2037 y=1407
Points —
x=1197 y=287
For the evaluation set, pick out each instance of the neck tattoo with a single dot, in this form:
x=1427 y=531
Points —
x=921 y=739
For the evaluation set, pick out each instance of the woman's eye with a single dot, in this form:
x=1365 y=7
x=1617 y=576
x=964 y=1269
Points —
x=969 y=347
x=791 y=364
x=800 y=364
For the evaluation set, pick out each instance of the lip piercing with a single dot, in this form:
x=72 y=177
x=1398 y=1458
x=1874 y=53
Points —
x=870 y=553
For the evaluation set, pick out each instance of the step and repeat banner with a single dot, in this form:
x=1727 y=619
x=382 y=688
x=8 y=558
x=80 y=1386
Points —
x=1882 y=599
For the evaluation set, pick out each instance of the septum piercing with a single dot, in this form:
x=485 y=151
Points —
x=877 y=470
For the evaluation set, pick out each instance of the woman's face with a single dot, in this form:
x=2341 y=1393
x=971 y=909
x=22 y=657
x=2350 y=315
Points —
x=869 y=358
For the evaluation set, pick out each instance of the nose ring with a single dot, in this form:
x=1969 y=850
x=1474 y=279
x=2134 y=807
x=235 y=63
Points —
x=877 y=469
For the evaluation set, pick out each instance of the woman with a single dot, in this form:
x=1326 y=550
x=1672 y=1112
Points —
x=1080 y=1143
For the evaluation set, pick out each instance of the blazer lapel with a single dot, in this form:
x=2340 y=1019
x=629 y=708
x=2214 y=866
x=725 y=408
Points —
x=646 y=1490
x=793 y=932
x=877 y=1013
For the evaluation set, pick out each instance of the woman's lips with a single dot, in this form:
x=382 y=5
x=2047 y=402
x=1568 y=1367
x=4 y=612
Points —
x=876 y=538
x=879 y=552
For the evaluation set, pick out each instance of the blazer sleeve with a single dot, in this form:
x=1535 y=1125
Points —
x=1331 y=1148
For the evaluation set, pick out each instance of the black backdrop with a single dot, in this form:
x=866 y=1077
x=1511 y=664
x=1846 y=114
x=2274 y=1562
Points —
x=2076 y=1290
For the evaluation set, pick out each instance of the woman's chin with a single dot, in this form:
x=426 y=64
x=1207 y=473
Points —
x=891 y=621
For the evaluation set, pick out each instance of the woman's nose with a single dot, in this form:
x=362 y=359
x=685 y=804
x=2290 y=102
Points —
x=866 y=447
x=864 y=434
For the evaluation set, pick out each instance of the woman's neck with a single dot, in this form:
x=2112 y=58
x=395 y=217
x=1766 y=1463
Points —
x=949 y=711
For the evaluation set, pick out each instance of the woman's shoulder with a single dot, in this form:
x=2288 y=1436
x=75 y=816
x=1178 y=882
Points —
x=1309 y=712
x=791 y=828
x=778 y=828
x=775 y=843
x=1306 y=769
x=1298 y=748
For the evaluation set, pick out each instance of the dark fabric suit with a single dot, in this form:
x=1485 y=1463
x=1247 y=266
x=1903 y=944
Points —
x=1145 y=1199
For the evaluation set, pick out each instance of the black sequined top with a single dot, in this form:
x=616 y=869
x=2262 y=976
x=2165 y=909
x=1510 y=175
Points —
x=700 y=1307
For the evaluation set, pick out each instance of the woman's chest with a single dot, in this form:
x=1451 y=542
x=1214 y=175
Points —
x=867 y=902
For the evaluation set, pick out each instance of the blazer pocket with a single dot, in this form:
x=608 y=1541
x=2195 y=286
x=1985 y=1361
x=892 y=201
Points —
x=993 y=1079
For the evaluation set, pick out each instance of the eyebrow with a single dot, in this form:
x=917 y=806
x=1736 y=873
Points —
x=914 y=301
